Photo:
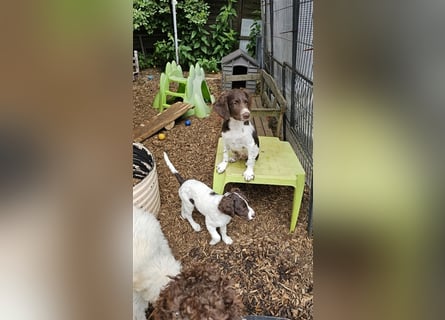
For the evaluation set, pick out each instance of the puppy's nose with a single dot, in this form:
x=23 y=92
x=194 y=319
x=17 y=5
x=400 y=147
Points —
x=246 y=115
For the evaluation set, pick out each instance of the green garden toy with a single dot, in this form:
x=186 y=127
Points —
x=192 y=90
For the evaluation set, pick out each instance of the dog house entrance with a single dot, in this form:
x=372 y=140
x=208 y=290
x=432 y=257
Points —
x=236 y=71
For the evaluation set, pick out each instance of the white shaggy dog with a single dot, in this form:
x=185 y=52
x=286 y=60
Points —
x=217 y=209
x=153 y=262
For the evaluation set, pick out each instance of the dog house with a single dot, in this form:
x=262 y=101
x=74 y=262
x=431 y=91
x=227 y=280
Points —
x=236 y=63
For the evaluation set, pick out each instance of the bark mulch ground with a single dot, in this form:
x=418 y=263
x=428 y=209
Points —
x=272 y=268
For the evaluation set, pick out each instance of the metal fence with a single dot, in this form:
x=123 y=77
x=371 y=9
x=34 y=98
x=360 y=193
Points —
x=287 y=48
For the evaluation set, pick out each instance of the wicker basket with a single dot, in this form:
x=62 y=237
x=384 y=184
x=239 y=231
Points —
x=146 y=193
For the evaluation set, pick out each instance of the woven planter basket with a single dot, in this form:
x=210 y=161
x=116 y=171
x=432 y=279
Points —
x=146 y=192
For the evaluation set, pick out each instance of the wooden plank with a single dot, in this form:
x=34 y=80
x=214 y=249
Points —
x=159 y=121
x=274 y=103
x=270 y=82
x=266 y=101
x=258 y=125
x=261 y=124
x=280 y=127
x=267 y=110
x=242 y=77
x=267 y=130
x=257 y=103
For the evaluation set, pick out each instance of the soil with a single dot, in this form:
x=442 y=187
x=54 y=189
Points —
x=272 y=268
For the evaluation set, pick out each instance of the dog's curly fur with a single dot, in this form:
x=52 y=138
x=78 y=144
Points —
x=199 y=292
x=153 y=261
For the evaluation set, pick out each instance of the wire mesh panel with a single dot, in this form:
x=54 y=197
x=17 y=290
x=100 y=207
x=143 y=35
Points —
x=288 y=56
x=300 y=125
x=304 y=40
x=282 y=39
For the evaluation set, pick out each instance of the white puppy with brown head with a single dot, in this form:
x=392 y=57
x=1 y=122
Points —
x=217 y=209
x=239 y=136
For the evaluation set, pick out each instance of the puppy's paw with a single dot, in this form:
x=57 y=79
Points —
x=220 y=168
x=249 y=174
x=227 y=240
x=196 y=227
x=214 y=241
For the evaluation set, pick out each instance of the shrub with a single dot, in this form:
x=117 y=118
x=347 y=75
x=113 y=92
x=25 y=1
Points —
x=255 y=31
x=196 y=41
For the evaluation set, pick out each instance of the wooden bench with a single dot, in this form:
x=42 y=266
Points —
x=268 y=103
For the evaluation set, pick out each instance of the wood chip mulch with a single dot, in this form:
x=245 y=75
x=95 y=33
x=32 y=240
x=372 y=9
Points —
x=272 y=268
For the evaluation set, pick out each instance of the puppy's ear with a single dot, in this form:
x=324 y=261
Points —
x=226 y=205
x=249 y=98
x=239 y=192
x=221 y=106
x=235 y=190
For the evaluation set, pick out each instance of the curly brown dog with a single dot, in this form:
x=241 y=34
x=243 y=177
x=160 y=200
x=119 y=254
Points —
x=199 y=292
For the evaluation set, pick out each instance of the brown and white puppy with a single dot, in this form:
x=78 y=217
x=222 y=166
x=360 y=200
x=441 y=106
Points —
x=239 y=136
x=218 y=209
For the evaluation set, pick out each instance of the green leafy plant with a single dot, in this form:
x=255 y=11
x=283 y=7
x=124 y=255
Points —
x=146 y=13
x=224 y=36
x=255 y=31
x=209 y=65
x=197 y=42
x=145 y=61
x=164 y=51
x=186 y=54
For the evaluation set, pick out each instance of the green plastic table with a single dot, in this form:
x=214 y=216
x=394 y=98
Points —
x=277 y=164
